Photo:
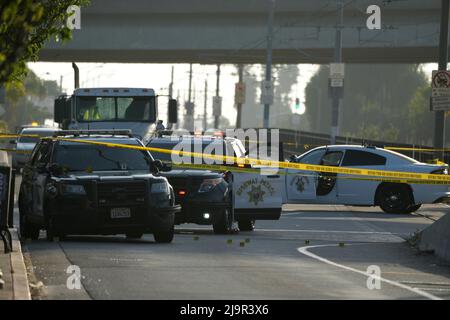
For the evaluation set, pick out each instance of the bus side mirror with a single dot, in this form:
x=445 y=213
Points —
x=62 y=109
x=173 y=111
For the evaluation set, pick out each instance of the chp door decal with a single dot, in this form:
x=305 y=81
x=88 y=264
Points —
x=252 y=190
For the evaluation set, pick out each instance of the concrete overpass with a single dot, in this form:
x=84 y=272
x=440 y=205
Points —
x=234 y=31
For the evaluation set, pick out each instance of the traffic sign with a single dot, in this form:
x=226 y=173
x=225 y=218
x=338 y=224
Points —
x=440 y=83
x=337 y=82
x=217 y=106
x=337 y=71
x=239 y=93
x=441 y=103
x=266 y=92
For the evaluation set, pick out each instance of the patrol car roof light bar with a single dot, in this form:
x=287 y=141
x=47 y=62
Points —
x=123 y=132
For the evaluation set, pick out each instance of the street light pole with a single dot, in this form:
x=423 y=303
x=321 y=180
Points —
x=269 y=57
x=169 y=125
x=439 y=117
x=205 y=105
x=217 y=116
x=337 y=91
x=239 y=104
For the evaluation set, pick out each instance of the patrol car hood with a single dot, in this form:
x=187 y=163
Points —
x=190 y=173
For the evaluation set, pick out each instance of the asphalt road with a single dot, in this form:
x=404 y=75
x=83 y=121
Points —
x=312 y=252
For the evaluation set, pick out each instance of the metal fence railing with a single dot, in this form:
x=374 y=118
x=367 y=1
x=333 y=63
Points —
x=298 y=142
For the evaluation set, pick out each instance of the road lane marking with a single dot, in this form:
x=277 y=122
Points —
x=189 y=230
x=325 y=231
x=304 y=250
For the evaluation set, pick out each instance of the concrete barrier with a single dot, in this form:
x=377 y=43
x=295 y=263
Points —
x=436 y=238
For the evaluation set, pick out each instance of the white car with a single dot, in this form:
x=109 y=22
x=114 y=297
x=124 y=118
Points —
x=25 y=144
x=330 y=188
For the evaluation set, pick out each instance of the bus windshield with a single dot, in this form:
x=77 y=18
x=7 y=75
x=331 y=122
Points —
x=95 y=108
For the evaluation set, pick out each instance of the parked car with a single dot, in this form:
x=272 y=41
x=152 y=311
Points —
x=252 y=194
x=25 y=144
x=331 y=188
x=70 y=187
x=204 y=195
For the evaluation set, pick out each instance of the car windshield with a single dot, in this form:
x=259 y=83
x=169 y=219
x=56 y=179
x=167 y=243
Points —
x=74 y=156
x=116 y=109
x=207 y=146
x=34 y=140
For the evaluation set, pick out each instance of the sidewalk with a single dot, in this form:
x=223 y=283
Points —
x=15 y=278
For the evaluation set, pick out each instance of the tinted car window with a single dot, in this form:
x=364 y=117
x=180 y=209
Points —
x=211 y=146
x=166 y=157
x=332 y=158
x=312 y=157
x=42 y=153
x=362 y=158
x=83 y=157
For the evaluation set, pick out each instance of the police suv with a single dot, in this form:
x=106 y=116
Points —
x=74 y=184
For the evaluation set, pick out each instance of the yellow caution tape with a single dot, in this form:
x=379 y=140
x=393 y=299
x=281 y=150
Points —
x=412 y=177
x=409 y=176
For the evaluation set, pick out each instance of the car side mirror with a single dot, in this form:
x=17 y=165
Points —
x=173 y=111
x=56 y=169
x=293 y=158
x=156 y=166
x=166 y=167
x=12 y=141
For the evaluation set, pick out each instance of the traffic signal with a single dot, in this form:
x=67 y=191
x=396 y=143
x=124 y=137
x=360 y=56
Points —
x=297 y=104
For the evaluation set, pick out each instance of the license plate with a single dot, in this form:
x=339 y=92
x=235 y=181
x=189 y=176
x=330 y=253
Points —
x=117 y=213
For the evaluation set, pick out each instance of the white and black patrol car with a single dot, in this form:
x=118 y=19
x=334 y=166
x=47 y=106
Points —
x=331 y=188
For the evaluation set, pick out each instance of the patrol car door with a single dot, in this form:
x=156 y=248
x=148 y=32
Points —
x=257 y=196
x=39 y=177
x=301 y=186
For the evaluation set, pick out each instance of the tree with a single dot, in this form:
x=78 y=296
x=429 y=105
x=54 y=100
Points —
x=380 y=102
x=25 y=25
x=20 y=106
x=285 y=77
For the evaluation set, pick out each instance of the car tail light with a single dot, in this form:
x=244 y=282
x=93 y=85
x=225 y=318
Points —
x=181 y=193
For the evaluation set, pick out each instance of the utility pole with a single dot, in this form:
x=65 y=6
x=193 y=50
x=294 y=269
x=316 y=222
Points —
x=217 y=115
x=269 y=58
x=190 y=83
x=171 y=83
x=169 y=125
x=189 y=119
x=239 y=104
x=60 y=83
x=205 y=112
x=336 y=92
x=439 y=117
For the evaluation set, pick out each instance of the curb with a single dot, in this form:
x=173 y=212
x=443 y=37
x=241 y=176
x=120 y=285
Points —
x=20 y=285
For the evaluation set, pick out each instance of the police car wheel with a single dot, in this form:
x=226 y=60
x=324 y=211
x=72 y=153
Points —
x=164 y=236
x=246 y=225
x=28 y=230
x=395 y=199
x=223 y=222
x=51 y=233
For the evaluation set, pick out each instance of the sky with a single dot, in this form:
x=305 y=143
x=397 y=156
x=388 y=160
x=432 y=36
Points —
x=157 y=76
